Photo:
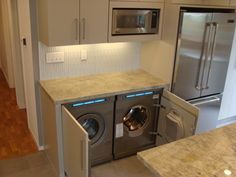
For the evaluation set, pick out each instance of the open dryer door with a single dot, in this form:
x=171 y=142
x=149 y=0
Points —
x=177 y=119
x=76 y=147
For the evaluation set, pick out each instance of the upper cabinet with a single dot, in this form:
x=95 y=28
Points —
x=139 y=0
x=69 y=22
x=232 y=2
x=201 y=2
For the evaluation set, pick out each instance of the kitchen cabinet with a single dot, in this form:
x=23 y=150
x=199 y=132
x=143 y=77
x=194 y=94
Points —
x=178 y=119
x=76 y=146
x=201 y=2
x=139 y=0
x=232 y=2
x=70 y=22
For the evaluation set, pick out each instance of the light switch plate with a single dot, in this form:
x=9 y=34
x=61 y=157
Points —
x=83 y=55
x=55 y=57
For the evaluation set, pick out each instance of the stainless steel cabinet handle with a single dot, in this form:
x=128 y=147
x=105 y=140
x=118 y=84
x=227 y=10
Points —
x=84 y=27
x=82 y=144
x=198 y=85
x=76 y=29
x=212 y=54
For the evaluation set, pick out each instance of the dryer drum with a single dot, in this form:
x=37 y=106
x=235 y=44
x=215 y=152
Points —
x=136 y=120
x=94 y=125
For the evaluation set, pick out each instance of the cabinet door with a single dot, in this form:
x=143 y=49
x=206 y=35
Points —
x=177 y=119
x=76 y=147
x=93 y=21
x=232 y=2
x=201 y=2
x=217 y=2
x=192 y=2
x=58 y=22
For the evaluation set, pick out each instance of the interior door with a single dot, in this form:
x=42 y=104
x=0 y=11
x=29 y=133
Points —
x=177 y=119
x=192 y=43
x=76 y=147
x=221 y=43
x=28 y=65
x=93 y=21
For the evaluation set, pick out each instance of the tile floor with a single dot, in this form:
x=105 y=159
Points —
x=34 y=165
x=37 y=165
x=127 y=167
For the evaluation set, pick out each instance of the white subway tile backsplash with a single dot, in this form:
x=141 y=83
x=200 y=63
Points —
x=101 y=58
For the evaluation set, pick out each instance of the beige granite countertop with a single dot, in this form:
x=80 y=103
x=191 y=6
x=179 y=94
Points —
x=101 y=85
x=204 y=155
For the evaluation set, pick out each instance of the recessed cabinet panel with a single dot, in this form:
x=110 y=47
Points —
x=177 y=119
x=76 y=147
x=217 y=2
x=192 y=2
x=93 y=21
x=139 y=0
x=233 y=3
x=58 y=23
x=201 y=2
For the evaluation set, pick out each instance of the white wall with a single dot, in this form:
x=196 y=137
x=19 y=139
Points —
x=102 y=58
x=5 y=46
x=228 y=106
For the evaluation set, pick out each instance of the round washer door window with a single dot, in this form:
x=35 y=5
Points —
x=137 y=118
x=94 y=126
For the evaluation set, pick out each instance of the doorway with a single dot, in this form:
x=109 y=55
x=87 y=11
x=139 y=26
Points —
x=16 y=135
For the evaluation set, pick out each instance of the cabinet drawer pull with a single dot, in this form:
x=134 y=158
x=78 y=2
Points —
x=84 y=27
x=76 y=29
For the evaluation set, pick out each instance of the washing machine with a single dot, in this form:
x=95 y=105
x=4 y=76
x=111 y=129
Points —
x=136 y=119
x=96 y=117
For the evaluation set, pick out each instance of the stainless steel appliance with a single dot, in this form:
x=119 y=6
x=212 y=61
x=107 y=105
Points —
x=96 y=118
x=136 y=118
x=128 y=21
x=203 y=50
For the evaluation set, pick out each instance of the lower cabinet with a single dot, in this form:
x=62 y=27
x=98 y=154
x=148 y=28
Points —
x=177 y=120
x=76 y=147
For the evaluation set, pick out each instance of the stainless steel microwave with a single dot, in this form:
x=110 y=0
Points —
x=133 y=21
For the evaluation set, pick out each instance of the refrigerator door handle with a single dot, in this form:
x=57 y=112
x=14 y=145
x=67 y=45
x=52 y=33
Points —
x=215 y=25
x=198 y=84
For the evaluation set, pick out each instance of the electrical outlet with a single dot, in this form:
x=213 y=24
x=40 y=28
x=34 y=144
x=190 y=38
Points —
x=55 y=57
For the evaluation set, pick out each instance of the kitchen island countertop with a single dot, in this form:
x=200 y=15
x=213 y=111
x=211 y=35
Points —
x=100 y=85
x=212 y=154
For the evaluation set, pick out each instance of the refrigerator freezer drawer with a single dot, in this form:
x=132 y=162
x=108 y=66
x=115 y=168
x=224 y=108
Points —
x=209 y=113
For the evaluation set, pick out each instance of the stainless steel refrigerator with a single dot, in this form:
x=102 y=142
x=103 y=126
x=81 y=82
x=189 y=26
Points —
x=203 y=50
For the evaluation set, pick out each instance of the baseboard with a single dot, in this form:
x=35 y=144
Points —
x=224 y=122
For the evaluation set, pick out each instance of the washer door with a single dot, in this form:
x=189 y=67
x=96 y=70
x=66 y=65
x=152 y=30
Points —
x=94 y=125
x=136 y=120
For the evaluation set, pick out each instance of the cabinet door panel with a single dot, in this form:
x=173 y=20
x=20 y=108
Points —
x=93 y=21
x=76 y=146
x=57 y=22
x=217 y=2
x=233 y=3
x=193 y=2
x=177 y=119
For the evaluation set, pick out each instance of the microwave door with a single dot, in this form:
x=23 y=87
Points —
x=132 y=21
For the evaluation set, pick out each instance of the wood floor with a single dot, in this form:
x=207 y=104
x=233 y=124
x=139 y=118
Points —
x=15 y=137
